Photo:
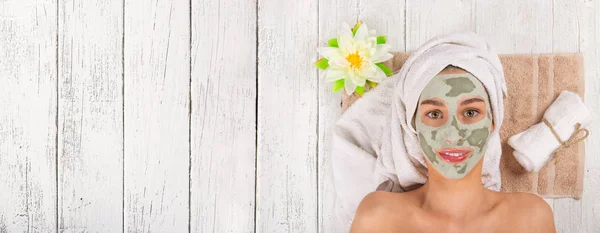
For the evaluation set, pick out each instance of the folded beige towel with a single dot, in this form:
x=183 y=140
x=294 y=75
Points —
x=533 y=82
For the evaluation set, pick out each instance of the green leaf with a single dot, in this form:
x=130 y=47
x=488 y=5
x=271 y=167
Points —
x=360 y=90
x=356 y=26
x=338 y=85
x=381 y=39
x=322 y=63
x=386 y=70
x=371 y=83
x=333 y=43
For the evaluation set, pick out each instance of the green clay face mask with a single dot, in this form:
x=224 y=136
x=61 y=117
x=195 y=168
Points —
x=453 y=121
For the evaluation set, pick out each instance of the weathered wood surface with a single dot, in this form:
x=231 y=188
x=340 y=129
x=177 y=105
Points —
x=156 y=112
x=90 y=116
x=28 y=106
x=223 y=126
x=208 y=116
x=286 y=188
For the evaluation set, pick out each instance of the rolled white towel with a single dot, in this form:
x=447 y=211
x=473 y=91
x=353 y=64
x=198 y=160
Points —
x=534 y=146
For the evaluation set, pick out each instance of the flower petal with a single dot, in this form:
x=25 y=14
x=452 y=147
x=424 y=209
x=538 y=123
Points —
x=383 y=58
x=345 y=42
x=328 y=52
x=345 y=29
x=334 y=74
x=369 y=70
x=362 y=33
x=380 y=75
x=380 y=50
x=372 y=41
x=349 y=87
x=337 y=58
x=339 y=62
x=357 y=79
x=345 y=32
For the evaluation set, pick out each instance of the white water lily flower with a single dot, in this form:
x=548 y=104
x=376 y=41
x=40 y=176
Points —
x=355 y=58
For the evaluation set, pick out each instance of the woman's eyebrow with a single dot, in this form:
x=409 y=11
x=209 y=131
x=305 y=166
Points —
x=433 y=102
x=471 y=100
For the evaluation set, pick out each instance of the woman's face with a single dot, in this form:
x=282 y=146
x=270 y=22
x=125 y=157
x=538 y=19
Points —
x=453 y=122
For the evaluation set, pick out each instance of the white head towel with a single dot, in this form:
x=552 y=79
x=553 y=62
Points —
x=374 y=141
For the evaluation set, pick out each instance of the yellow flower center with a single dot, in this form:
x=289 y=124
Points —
x=355 y=60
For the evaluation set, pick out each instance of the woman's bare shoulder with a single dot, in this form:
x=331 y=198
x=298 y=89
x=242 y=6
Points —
x=380 y=203
x=521 y=199
x=378 y=209
x=530 y=211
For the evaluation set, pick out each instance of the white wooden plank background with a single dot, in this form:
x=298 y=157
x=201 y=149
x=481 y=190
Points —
x=223 y=127
x=90 y=116
x=286 y=194
x=208 y=115
x=28 y=107
x=156 y=108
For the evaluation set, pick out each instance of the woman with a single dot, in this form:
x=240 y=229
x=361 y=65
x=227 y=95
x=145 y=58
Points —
x=429 y=136
x=453 y=122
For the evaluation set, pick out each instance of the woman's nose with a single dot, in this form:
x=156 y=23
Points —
x=453 y=141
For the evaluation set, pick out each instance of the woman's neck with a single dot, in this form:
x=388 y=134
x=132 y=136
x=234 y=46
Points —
x=455 y=198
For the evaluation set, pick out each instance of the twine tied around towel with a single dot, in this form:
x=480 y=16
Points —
x=573 y=139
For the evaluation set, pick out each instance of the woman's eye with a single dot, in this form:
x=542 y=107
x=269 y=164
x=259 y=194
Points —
x=471 y=113
x=434 y=114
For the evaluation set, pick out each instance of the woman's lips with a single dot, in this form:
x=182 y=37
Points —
x=454 y=155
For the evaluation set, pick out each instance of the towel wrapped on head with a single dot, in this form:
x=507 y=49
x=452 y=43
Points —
x=375 y=146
